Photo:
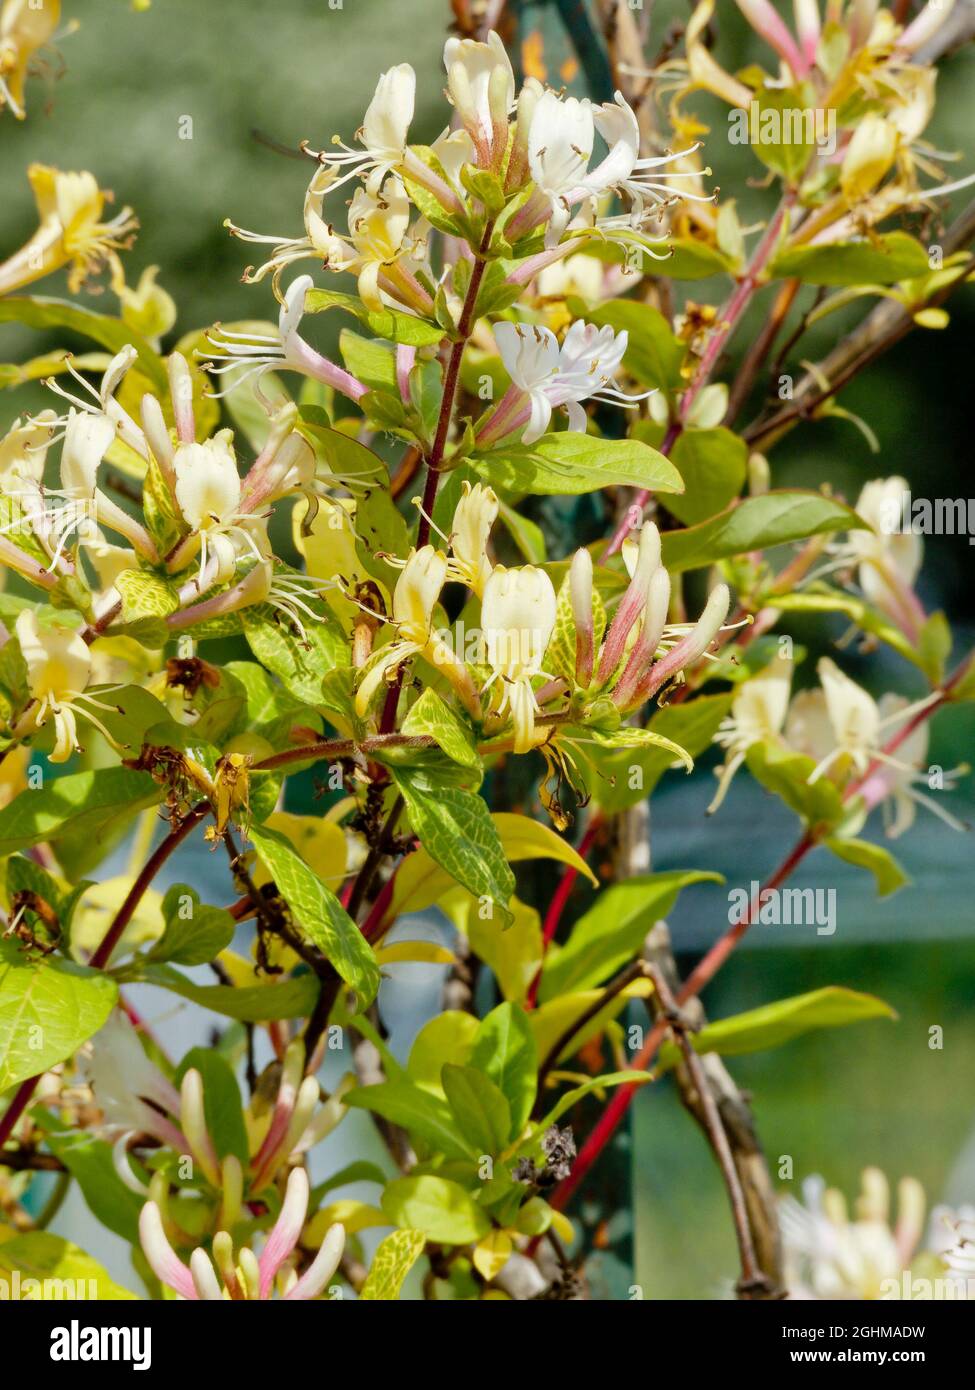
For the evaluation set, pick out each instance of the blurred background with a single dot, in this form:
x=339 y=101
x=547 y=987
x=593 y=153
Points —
x=251 y=78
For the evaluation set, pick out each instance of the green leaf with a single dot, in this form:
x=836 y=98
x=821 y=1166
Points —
x=774 y=141
x=455 y=828
x=319 y=915
x=394 y=1258
x=300 y=663
x=757 y=523
x=654 y=353
x=441 y=1209
x=83 y=803
x=823 y=599
x=221 y=1101
x=90 y=1162
x=195 y=934
x=61 y=1270
x=880 y=260
x=713 y=464
x=448 y=1034
x=568 y=464
x=482 y=1113
x=612 y=932
x=387 y=323
x=864 y=855
x=423 y=1115
x=291 y=998
x=787 y=774
x=504 y=1049
x=37 y=311
x=626 y=776
x=696 y=260
x=374 y=363
x=431 y=715
x=771 y=1025
x=48 y=1008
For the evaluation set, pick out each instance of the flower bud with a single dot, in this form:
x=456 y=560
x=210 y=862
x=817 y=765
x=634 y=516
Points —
x=580 y=593
x=641 y=561
x=692 y=647
x=481 y=86
x=528 y=99
x=194 y=1125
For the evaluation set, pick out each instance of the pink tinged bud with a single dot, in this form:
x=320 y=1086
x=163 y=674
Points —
x=415 y=169
x=163 y=1260
x=692 y=647
x=927 y=24
x=405 y=358
x=181 y=390
x=284 y=1234
x=764 y=19
x=303 y=358
x=321 y=1269
x=633 y=601
x=859 y=20
x=253 y=589
x=807 y=27
x=580 y=592
x=205 y=1280
x=641 y=657
x=223 y=1258
x=194 y=1126
x=232 y=1175
x=284 y=1107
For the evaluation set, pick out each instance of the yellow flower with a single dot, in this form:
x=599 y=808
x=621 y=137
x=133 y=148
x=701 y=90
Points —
x=71 y=232
x=25 y=26
x=518 y=616
x=58 y=669
x=870 y=154
x=148 y=309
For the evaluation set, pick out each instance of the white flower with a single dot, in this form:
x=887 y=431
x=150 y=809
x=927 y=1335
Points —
x=828 y=1256
x=517 y=617
x=888 y=557
x=560 y=146
x=758 y=713
x=24 y=447
x=474 y=515
x=481 y=85
x=132 y=1093
x=583 y=368
x=249 y=355
x=378 y=223
x=208 y=493
x=58 y=670
x=384 y=131
x=414 y=599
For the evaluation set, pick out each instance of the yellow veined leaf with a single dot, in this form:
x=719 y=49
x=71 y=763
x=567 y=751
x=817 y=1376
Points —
x=320 y=843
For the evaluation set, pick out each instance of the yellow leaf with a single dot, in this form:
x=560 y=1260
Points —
x=551 y=1020
x=320 y=843
x=563 y=1227
x=353 y=1215
x=96 y=911
x=427 y=951
x=491 y=1254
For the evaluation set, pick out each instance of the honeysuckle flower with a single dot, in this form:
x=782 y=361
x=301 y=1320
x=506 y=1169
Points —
x=132 y=1093
x=101 y=400
x=828 y=1256
x=684 y=652
x=474 y=515
x=528 y=99
x=888 y=557
x=414 y=599
x=23 y=449
x=517 y=618
x=58 y=670
x=580 y=594
x=546 y=376
x=758 y=712
x=208 y=492
x=868 y=157
x=250 y=355
x=925 y=25
x=25 y=27
x=245 y=1277
x=481 y=85
x=642 y=560
x=766 y=21
x=376 y=247
x=384 y=131
x=957 y=1248
x=560 y=146
x=71 y=231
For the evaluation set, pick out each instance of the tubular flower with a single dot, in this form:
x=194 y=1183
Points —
x=25 y=27
x=384 y=131
x=258 y=353
x=58 y=670
x=546 y=377
x=71 y=232
x=23 y=449
x=474 y=515
x=414 y=599
x=888 y=558
x=758 y=713
x=246 y=1276
x=378 y=226
x=481 y=85
x=518 y=616
x=208 y=492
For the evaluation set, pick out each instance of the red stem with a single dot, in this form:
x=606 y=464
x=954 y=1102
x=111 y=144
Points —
x=557 y=906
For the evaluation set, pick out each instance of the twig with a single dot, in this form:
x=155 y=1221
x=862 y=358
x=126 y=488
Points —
x=752 y=1282
x=631 y=972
